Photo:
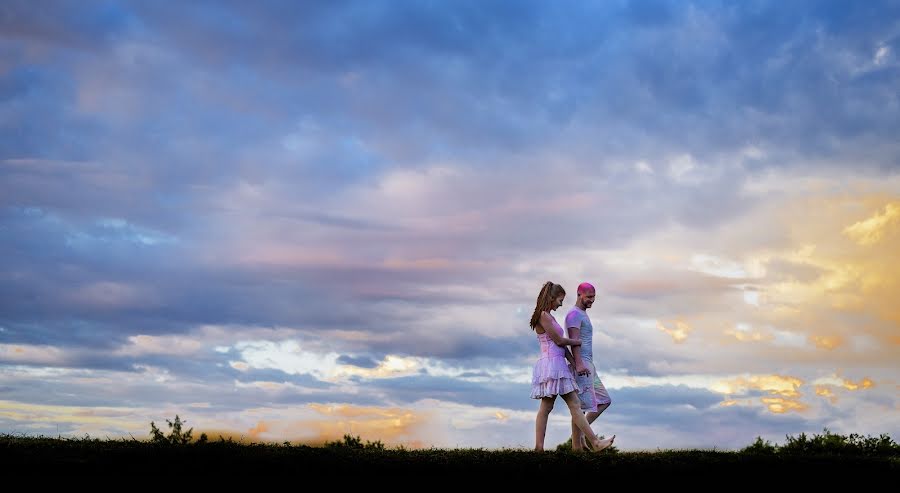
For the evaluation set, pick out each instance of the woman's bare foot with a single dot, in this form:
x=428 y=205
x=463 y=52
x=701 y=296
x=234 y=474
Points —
x=603 y=444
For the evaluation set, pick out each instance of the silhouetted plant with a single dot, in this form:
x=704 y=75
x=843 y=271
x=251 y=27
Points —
x=354 y=442
x=177 y=435
x=760 y=446
x=828 y=443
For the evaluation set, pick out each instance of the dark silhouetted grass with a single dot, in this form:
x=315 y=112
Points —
x=816 y=456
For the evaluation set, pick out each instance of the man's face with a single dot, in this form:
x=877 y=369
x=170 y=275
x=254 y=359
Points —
x=587 y=298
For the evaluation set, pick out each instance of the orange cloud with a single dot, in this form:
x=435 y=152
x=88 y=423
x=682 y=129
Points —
x=823 y=391
x=784 y=386
x=865 y=383
x=326 y=423
x=390 y=425
x=826 y=386
x=837 y=381
x=349 y=411
x=260 y=427
x=779 y=405
x=827 y=342
x=749 y=336
x=679 y=334
x=872 y=230
x=826 y=392
x=827 y=269
x=390 y=366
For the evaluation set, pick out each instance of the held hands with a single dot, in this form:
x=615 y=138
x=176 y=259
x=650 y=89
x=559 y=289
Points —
x=574 y=342
x=580 y=369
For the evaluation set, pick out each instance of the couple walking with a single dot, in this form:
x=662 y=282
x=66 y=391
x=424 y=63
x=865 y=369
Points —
x=576 y=382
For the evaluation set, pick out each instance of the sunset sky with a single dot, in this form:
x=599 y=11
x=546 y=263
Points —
x=293 y=220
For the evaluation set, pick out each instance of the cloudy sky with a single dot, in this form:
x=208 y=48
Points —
x=295 y=220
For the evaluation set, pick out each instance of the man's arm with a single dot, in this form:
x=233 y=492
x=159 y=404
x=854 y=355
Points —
x=573 y=326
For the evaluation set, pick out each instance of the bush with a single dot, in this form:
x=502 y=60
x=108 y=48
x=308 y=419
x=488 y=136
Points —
x=355 y=443
x=761 y=447
x=828 y=443
x=176 y=434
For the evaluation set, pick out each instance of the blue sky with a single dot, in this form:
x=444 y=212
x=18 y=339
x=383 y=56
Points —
x=294 y=220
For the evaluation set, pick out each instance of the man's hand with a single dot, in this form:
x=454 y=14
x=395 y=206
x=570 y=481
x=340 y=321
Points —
x=580 y=369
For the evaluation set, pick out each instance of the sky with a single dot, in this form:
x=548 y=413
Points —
x=290 y=221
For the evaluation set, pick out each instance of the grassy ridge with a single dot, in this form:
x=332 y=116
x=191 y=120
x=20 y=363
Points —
x=351 y=455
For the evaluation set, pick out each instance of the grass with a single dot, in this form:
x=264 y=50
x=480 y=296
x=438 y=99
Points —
x=814 y=456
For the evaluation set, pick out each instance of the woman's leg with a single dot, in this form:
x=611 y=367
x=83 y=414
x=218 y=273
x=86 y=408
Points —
x=540 y=424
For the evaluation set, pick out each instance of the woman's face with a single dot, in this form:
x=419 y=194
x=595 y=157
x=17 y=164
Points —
x=557 y=302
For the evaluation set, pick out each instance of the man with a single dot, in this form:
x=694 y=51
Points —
x=593 y=395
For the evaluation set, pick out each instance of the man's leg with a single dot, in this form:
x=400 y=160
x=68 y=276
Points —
x=593 y=415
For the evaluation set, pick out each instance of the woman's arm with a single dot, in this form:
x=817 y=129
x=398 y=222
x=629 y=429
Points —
x=547 y=325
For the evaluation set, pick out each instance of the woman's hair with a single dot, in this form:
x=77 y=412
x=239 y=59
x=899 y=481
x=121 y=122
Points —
x=549 y=292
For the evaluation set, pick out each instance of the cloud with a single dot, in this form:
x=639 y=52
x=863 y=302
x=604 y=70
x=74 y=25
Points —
x=679 y=333
x=826 y=393
x=171 y=345
x=31 y=354
x=871 y=230
x=785 y=386
x=838 y=382
x=745 y=334
x=358 y=361
x=238 y=204
x=780 y=405
x=826 y=342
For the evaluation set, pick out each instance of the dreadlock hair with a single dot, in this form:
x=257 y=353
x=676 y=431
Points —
x=549 y=292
